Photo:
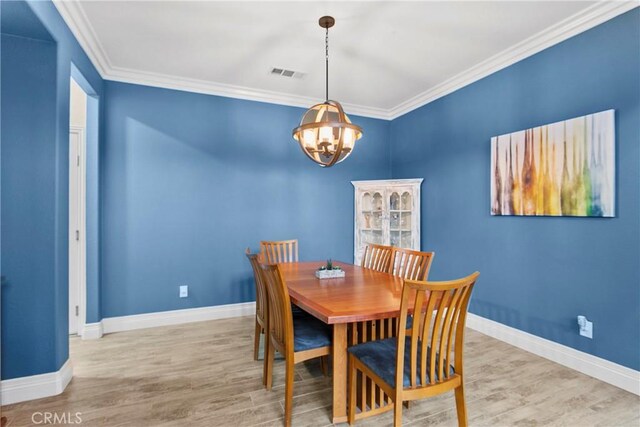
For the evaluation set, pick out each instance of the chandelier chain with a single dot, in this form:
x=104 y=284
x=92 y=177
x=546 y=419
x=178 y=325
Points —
x=326 y=58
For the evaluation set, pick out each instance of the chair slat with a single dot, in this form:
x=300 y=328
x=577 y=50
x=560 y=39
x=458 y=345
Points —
x=444 y=340
x=262 y=311
x=261 y=293
x=377 y=257
x=417 y=309
x=411 y=264
x=371 y=389
x=428 y=316
x=462 y=302
x=462 y=316
x=434 y=369
x=363 y=392
x=279 y=251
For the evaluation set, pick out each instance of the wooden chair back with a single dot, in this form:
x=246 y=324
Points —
x=280 y=316
x=274 y=252
x=410 y=264
x=377 y=257
x=261 y=291
x=434 y=336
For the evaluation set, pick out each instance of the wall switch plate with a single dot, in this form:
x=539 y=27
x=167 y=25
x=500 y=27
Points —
x=184 y=291
x=586 y=327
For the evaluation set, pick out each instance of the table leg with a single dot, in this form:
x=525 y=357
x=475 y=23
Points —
x=339 y=372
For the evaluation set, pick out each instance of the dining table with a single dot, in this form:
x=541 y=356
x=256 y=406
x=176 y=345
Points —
x=363 y=295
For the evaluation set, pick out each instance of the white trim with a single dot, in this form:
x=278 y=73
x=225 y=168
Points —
x=563 y=30
x=232 y=91
x=92 y=331
x=165 y=318
x=76 y=19
x=388 y=182
x=36 y=386
x=176 y=317
x=82 y=224
x=604 y=370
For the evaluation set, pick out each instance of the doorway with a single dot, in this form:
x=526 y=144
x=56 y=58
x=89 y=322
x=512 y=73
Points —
x=77 y=208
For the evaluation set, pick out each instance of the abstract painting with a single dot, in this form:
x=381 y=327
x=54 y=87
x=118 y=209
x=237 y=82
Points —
x=562 y=169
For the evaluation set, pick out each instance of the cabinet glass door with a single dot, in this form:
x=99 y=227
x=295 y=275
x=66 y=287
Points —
x=406 y=207
x=400 y=205
x=394 y=219
x=371 y=230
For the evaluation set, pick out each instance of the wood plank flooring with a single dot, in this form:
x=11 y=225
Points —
x=203 y=374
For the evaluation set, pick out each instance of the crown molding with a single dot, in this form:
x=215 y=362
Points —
x=231 y=91
x=79 y=24
x=76 y=19
x=563 y=30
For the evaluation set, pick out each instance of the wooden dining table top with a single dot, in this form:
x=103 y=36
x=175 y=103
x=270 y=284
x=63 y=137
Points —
x=363 y=294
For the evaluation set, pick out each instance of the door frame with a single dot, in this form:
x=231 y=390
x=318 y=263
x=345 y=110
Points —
x=82 y=250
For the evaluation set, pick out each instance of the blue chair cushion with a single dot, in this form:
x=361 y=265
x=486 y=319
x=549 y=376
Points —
x=409 y=322
x=310 y=333
x=380 y=356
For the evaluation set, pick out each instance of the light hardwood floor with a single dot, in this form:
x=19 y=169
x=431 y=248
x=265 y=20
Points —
x=203 y=374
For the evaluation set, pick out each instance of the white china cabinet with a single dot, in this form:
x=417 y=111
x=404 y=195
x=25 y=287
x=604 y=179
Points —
x=387 y=212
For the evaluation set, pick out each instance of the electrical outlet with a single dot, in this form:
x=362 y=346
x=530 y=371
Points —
x=184 y=291
x=586 y=327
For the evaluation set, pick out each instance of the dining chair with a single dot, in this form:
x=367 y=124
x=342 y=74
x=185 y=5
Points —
x=410 y=264
x=262 y=307
x=419 y=366
x=274 y=252
x=294 y=337
x=377 y=257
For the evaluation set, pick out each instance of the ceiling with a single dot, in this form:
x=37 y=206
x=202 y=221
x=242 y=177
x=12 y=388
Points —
x=386 y=58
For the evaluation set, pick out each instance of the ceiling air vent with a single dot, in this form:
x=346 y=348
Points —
x=282 y=72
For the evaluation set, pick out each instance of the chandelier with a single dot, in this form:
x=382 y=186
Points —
x=326 y=135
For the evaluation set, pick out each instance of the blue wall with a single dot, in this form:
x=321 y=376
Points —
x=191 y=180
x=36 y=67
x=537 y=274
x=184 y=182
x=28 y=200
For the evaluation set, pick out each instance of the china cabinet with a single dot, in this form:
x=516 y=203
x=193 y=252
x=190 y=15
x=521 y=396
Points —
x=387 y=212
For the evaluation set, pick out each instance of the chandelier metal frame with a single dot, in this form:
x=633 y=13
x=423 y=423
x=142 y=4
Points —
x=329 y=119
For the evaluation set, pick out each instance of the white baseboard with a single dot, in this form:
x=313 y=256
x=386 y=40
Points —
x=176 y=317
x=604 y=370
x=165 y=318
x=92 y=331
x=51 y=384
x=36 y=386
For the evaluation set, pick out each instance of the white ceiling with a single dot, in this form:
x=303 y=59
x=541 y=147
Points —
x=385 y=57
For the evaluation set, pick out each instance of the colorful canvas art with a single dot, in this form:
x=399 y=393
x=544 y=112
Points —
x=562 y=169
